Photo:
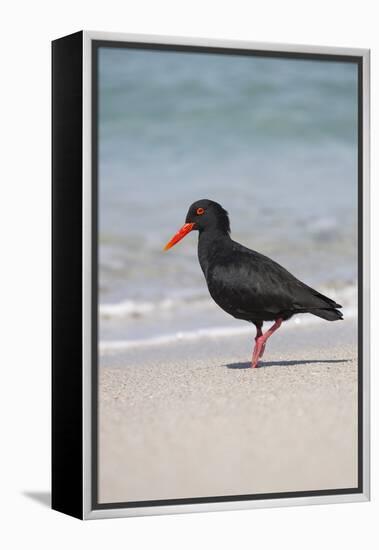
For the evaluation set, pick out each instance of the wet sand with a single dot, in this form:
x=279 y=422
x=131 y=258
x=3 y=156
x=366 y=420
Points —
x=191 y=419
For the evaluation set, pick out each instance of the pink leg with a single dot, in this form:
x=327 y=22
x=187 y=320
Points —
x=257 y=336
x=260 y=342
x=257 y=347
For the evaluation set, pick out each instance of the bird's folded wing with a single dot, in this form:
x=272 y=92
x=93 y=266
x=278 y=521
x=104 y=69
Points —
x=250 y=281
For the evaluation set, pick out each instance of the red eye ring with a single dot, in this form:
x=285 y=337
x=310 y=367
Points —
x=200 y=211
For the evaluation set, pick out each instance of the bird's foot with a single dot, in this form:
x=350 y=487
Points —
x=261 y=340
x=260 y=343
x=256 y=354
x=259 y=348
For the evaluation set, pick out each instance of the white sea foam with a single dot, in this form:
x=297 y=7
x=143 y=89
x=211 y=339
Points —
x=140 y=308
x=211 y=332
x=112 y=346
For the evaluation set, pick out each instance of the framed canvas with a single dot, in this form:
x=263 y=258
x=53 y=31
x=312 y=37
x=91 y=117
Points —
x=210 y=275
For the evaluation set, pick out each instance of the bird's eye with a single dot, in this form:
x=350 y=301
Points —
x=200 y=211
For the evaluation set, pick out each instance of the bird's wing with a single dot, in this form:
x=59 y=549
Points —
x=249 y=281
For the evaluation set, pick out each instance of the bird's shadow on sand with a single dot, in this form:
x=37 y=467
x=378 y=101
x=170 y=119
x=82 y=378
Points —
x=265 y=364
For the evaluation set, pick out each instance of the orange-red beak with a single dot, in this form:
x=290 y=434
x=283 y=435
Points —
x=183 y=231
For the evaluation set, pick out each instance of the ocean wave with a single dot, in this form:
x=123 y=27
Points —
x=186 y=336
x=141 y=308
x=113 y=346
x=346 y=295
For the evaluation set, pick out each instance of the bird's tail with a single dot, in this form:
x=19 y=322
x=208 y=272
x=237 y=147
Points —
x=328 y=314
x=322 y=306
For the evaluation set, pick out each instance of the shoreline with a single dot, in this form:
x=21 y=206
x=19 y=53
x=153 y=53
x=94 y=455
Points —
x=191 y=419
x=135 y=323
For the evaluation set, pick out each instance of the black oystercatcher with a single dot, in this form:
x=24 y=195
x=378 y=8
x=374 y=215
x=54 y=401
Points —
x=245 y=283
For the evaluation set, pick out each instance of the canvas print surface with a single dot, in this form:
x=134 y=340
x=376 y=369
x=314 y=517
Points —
x=185 y=408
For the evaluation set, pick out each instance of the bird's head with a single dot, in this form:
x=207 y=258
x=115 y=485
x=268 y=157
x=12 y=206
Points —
x=202 y=215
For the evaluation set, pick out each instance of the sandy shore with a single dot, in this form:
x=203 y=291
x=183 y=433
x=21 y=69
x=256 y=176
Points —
x=191 y=419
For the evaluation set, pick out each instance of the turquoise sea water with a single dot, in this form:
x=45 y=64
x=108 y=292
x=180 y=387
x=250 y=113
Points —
x=273 y=140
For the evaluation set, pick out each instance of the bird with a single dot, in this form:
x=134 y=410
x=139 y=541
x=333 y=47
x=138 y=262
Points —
x=245 y=283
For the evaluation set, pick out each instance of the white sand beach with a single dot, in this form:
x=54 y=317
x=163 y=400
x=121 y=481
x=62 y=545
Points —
x=191 y=419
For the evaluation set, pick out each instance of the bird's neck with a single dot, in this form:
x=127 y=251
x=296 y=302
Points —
x=211 y=243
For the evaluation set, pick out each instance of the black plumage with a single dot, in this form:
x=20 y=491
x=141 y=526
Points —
x=245 y=283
